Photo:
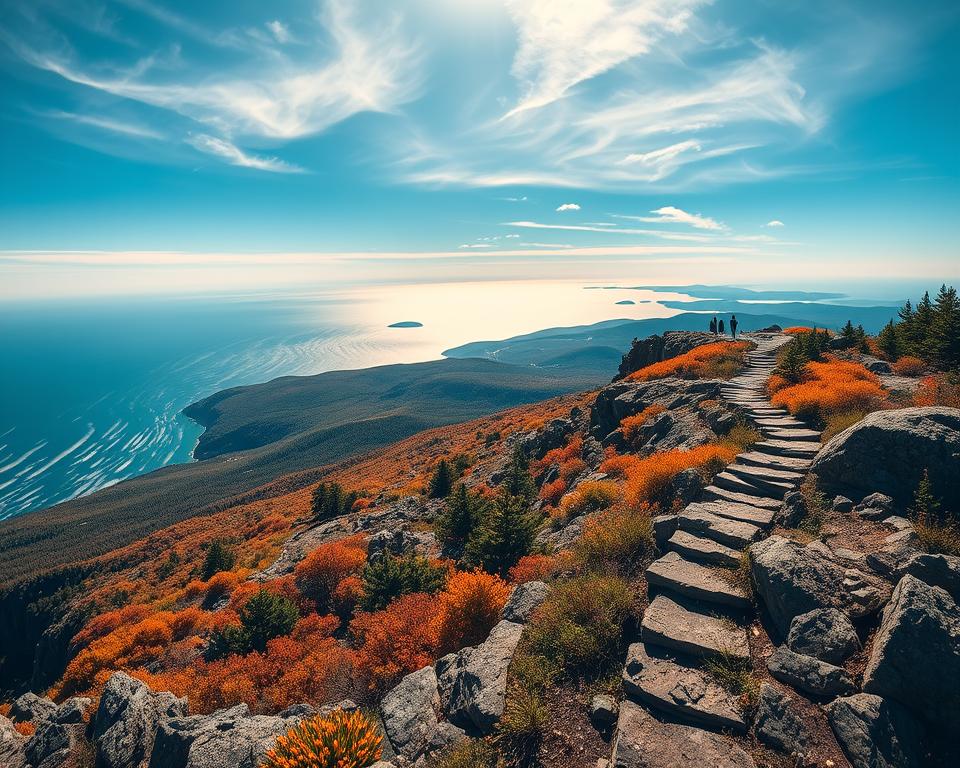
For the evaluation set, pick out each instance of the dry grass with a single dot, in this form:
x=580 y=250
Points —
x=736 y=676
x=938 y=538
x=838 y=422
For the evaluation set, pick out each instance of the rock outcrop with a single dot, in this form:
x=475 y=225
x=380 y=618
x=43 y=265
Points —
x=12 y=745
x=410 y=713
x=876 y=733
x=524 y=600
x=824 y=633
x=888 y=451
x=779 y=724
x=653 y=349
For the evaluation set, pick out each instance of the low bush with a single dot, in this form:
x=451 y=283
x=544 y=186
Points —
x=719 y=360
x=264 y=617
x=630 y=426
x=552 y=492
x=828 y=388
x=647 y=479
x=524 y=721
x=742 y=436
x=616 y=539
x=579 y=628
x=319 y=574
x=469 y=608
x=219 y=557
x=469 y=753
x=338 y=740
x=837 y=422
x=940 y=389
x=537 y=568
x=589 y=496
x=909 y=366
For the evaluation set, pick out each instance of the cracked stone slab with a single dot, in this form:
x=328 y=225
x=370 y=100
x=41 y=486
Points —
x=732 y=533
x=669 y=624
x=712 y=492
x=700 y=548
x=695 y=581
x=745 y=513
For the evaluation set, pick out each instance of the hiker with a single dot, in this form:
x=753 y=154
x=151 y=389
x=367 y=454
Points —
x=733 y=325
x=713 y=326
x=721 y=328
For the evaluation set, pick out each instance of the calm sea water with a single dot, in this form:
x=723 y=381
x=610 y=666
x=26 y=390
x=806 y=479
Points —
x=91 y=393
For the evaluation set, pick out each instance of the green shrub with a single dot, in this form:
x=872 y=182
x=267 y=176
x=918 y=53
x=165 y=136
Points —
x=617 y=539
x=263 y=617
x=461 y=513
x=580 y=626
x=441 y=482
x=470 y=753
x=524 y=721
x=504 y=535
x=329 y=500
x=219 y=558
x=391 y=577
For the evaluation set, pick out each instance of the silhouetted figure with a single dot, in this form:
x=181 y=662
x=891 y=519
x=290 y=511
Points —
x=721 y=328
x=733 y=325
x=713 y=326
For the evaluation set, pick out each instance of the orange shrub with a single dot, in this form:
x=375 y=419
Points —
x=648 y=478
x=909 y=366
x=630 y=425
x=831 y=387
x=571 y=468
x=558 y=455
x=937 y=390
x=469 y=607
x=616 y=465
x=534 y=568
x=551 y=493
x=337 y=740
x=25 y=729
x=776 y=382
x=401 y=638
x=321 y=572
x=589 y=496
x=105 y=623
x=721 y=359
x=220 y=584
x=793 y=330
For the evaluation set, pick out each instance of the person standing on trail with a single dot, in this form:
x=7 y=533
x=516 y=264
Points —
x=713 y=326
x=721 y=328
x=733 y=325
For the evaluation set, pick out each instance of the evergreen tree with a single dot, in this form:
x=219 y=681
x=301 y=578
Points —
x=792 y=361
x=888 y=341
x=441 y=483
x=264 y=617
x=517 y=480
x=219 y=558
x=456 y=521
x=811 y=345
x=329 y=500
x=848 y=333
x=944 y=333
x=504 y=535
x=390 y=577
x=861 y=340
x=907 y=329
x=923 y=319
x=925 y=508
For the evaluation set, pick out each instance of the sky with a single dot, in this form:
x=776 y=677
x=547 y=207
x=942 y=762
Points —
x=148 y=145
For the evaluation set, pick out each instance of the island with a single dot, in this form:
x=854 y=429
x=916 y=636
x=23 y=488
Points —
x=406 y=324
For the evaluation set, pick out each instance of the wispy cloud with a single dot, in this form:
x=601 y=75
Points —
x=774 y=223
x=568 y=207
x=107 y=124
x=476 y=245
x=235 y=156
x=279 y=31
x=669 y=214
x=613 y=231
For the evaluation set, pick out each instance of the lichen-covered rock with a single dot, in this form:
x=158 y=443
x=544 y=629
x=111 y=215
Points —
x=30 y=708
x=889 y=450
x=603 y=711
x=409 y=713
x=475 y=679
x=400 y=542
x=824 y=633
x=12 y=745
x=72 y=710
x=779 y=724
x=936 y=570
x=876 y=732
x=52 y=744
x=524 y=600
x=126 y=721
x=915 y=658
x=792 y=579
x=807 y=674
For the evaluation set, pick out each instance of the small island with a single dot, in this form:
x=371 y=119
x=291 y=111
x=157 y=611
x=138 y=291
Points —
x=406 y=324
x=627 y=301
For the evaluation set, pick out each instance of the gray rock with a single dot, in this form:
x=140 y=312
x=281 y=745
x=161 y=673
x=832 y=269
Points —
x=876 y=733
x=915 y=658
x=12 y=745
x=889 y=450
x=936 y=570
x=477 y=678
x=779 y=724
x=640 y=741
x=792 y=579
x=30 y=708
x=400 y=542
x=808 y=674
x=664 y=527
x=878 y=366
x=875 y=501
x=898 y=523
x=51 y=744
x=824 y=633
x=603 y=711
x=890 y=560
x=686 y=486
x=904 y=538
x=126 y=721
x=524 y=600
x=842 y=504
x=793 y=509
x=72 y=710
x=409 y=713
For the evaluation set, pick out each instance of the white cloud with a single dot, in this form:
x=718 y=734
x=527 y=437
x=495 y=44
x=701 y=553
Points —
x=618 y=231
x=235 y=156
x=568 y=207
x=279 y=31
x=107 y=124
x=774 y=223
x=561 y=44
x=476 y=245
x=510 y=236
x=669 y=214
x=514 y=199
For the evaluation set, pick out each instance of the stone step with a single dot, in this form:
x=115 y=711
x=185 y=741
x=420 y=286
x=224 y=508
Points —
x=759 y=459
x=802 y=435
x=745 y=513
x=703 y=550
x=668 y=624
x=713 y=492
x=681 y=690
x=730 y=533
x=754 y=474
x=784 y=422
x=695 y=581
x=789 y=448
x=739 y=485
x=761 y=412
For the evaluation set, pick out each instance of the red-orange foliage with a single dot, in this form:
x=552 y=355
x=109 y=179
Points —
x=338 y=740
x=469 y=607
x=937 y=390
x=551 y=493
x=909 y=366
x=722 y=359
x=401 y=638
x=795 y=329
x=533 y=568
x=831 y=387
x=105 y=623
x=25 y=729
x=630 y=425
x=220 y=584
x=321 y=572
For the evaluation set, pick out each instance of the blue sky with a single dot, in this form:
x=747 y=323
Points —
x=488 y=133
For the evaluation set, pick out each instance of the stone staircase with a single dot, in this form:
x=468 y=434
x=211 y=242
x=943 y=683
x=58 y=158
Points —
x=697 y=612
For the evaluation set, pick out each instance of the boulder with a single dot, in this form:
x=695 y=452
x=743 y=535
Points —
x=793 y=509
x=824 y=633
x=30 y=708
x=915 y=657
x=936 y=570
x=875 y=503
x=640 y=741
x=876 y=733
x=51 y=744
x=879 y=366
x=842 y=504
x=409 y=713
x=792 y=579
x=603 y=711
x=664 y=526
x=475 y=679
x=125 y=725
x=12 y=745
x=888 y=451
x=72 y=710
x=808 y=674
x=524 y=600
x=779 y=724
x=400 y=542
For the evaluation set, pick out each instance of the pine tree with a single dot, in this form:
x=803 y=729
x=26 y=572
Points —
x=390 y=577
x=925 y=508
x=907 y=329
x=441 y=483
x=330 y=500
x=792 y=361
x=848 y=333
x=517 y=480
x=504 y=536
x=264 y=617
x=888 y=341
x=811 y=345
x=456 y=521
x=219 y=558
x=861 y=337
x=943 y=343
